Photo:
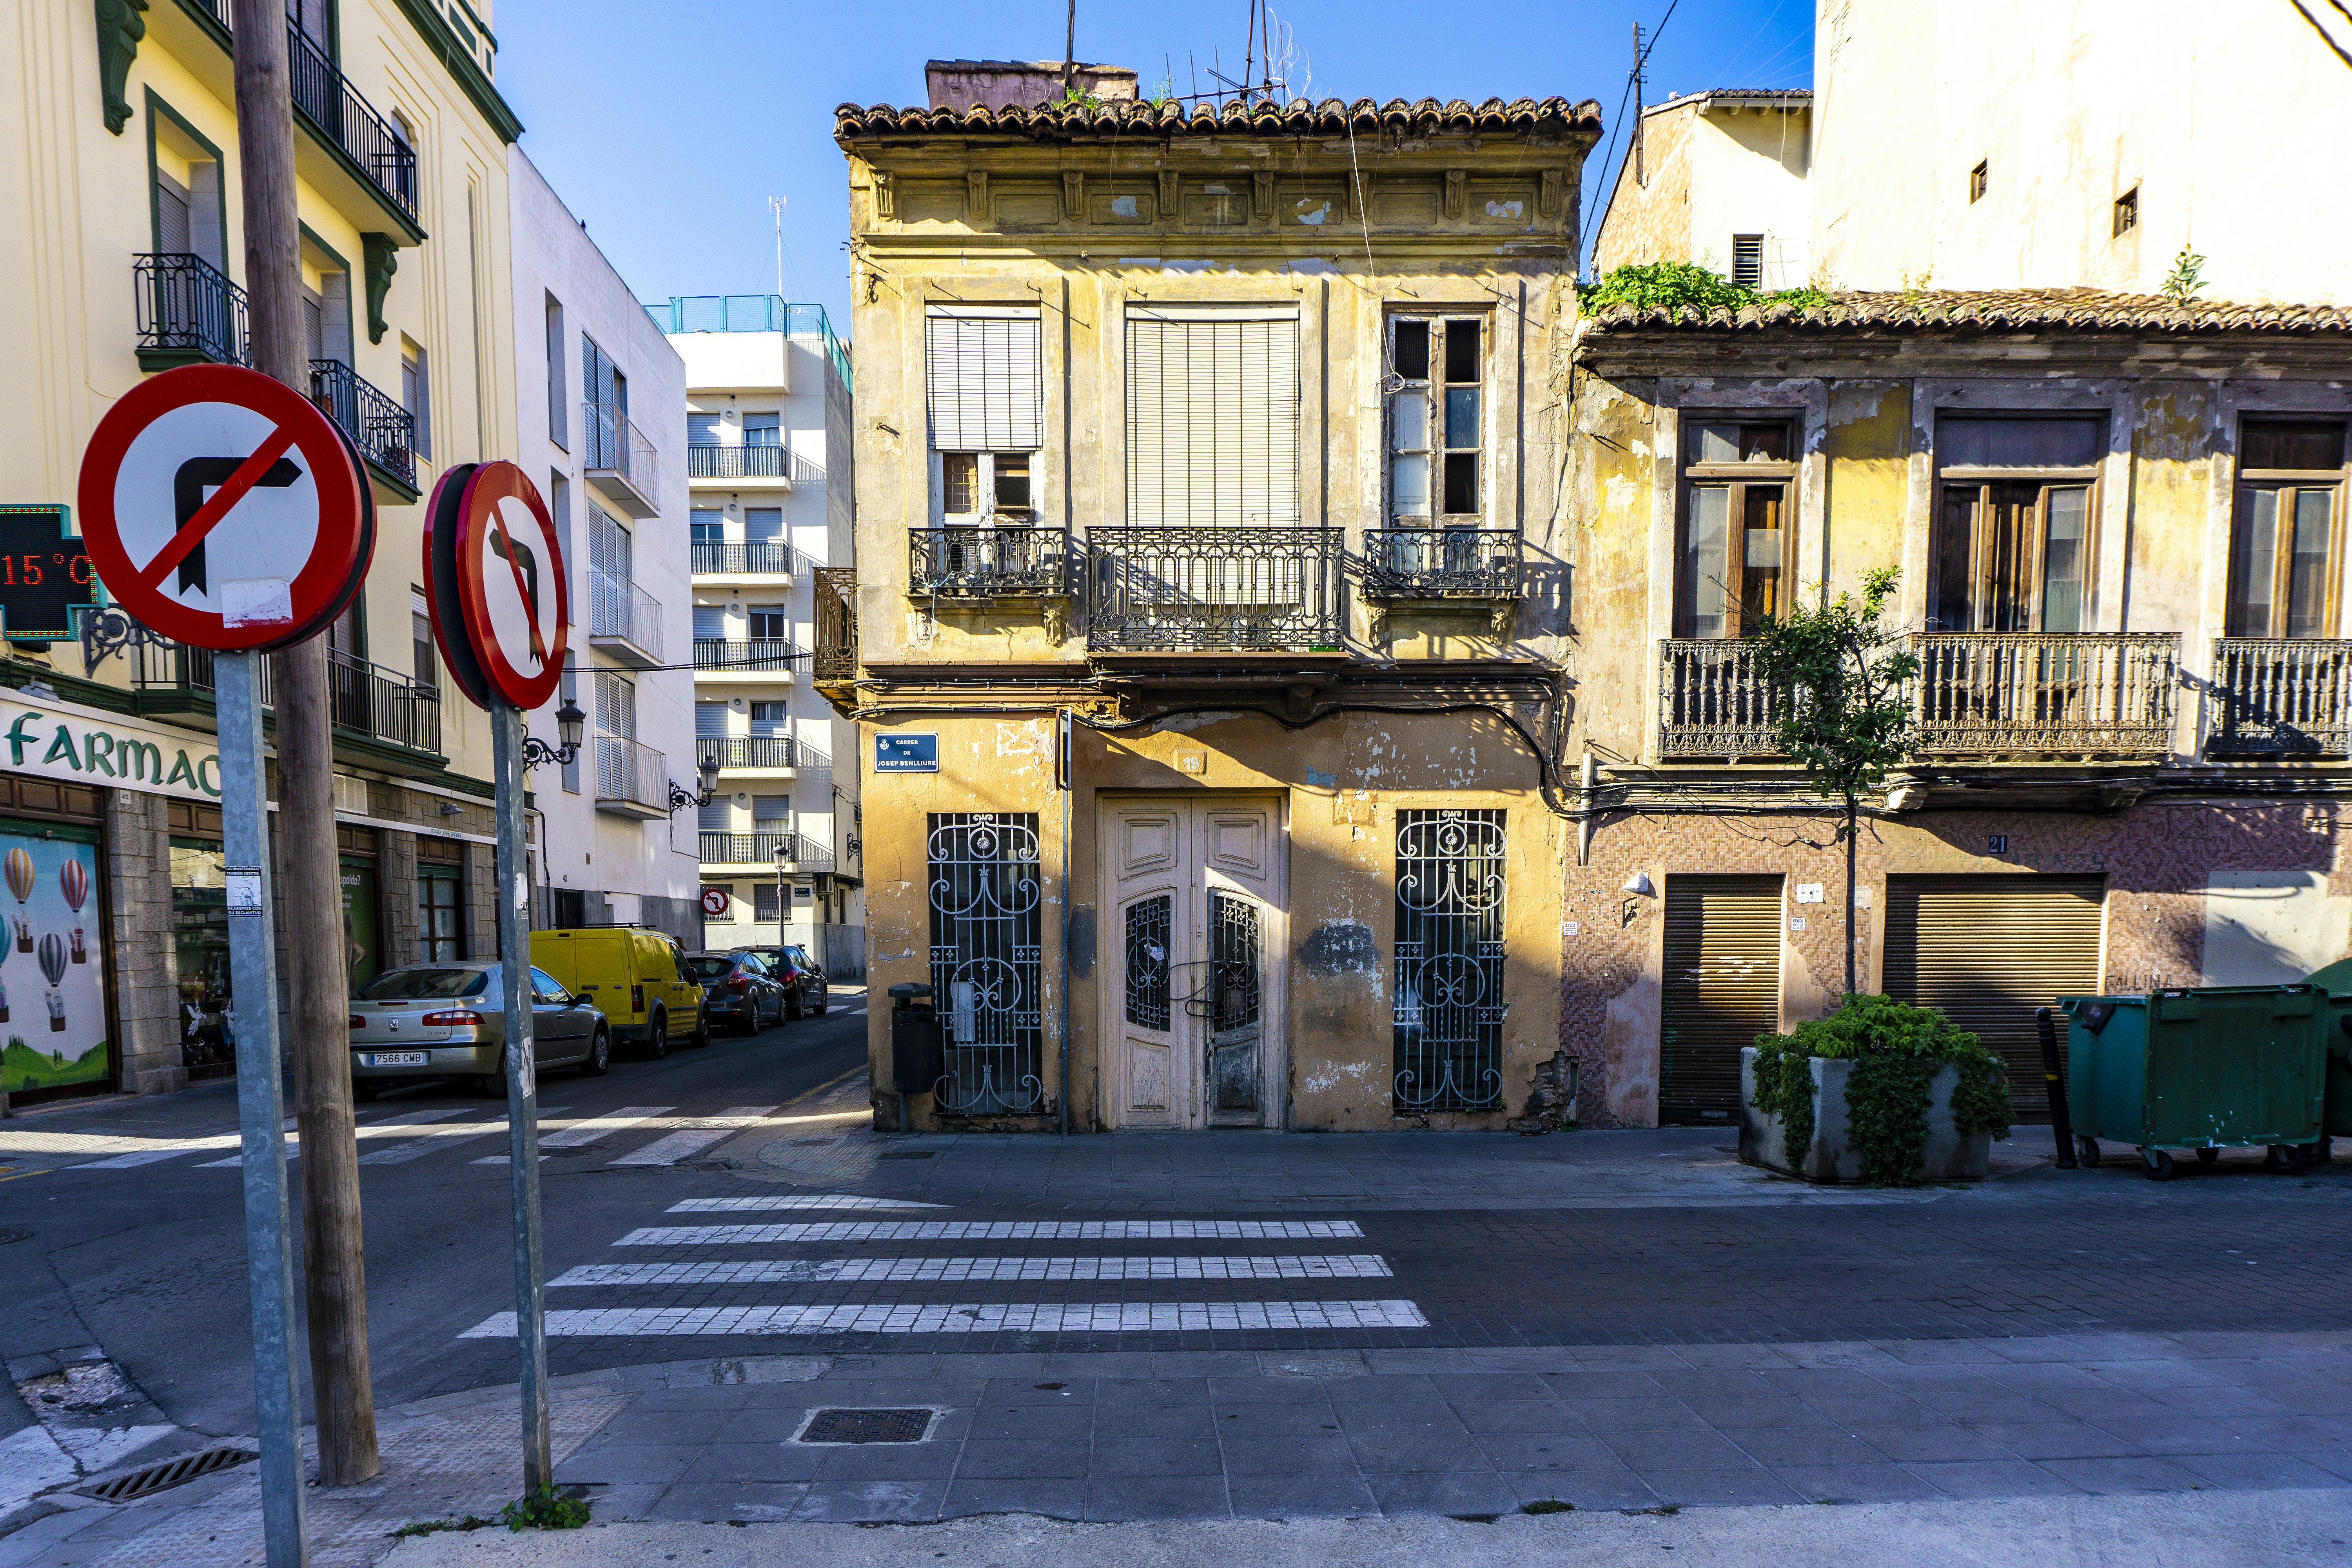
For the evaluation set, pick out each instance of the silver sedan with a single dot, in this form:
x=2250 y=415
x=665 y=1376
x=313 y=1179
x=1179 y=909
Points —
x=448 y=1020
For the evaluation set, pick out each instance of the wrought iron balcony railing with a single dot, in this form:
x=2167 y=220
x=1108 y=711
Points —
x=836 y=624
x=188 y=310
x=744 y=654
x=2047 y=693
x=384 y=432
x=326 y=97
x=1215 y=590
x=1440 y=563
x=735 y=558
x=982 y=562
x=710 y=460
x=362 y=698
x=759 y=848
x=1713 y=701
x=2281 y=696
x=631 y=773
x=617 y=607
x=755 y=752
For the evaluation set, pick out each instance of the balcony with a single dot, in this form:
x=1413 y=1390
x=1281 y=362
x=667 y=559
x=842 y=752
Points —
x=632 y=780
x=189 y=313
x=752 y=314
x=1441 y=563
x=623 y=621
x=383 y=431
x=2281 y=698
x=835 y=664
x=761 y=660
x=746 y=465
x=777 y=756
x=981 y=562
x=620 y=461
x=768 y=560
x=357 y=147
x=1991 y=696
x=757 y=850
x=366 y=703
x=1216 y=590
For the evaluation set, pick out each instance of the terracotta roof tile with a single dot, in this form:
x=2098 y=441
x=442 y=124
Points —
x=1297 y=118
x=1984 y=310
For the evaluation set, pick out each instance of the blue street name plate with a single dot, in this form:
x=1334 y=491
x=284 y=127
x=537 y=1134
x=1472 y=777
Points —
x=906 y=754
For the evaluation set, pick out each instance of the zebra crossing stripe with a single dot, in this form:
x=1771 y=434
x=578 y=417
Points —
x=798 y=1201
x=697 y=1136
x=986 y=1270
x=590 y=1130
x=974 y=1318
x=431 y=1139
x=998 y=1230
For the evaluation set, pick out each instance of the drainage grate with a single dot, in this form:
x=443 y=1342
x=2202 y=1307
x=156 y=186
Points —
x=907 y=1155
x=166 y=1476
x=866 y=1426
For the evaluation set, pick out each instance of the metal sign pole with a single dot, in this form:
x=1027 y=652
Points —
x=253 y=982
x=523 y=1093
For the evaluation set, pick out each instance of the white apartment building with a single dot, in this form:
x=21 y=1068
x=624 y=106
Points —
x=1719 y=179
x=767 y=462
x=601 y=428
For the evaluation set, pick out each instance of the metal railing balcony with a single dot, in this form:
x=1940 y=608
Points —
x=836 y=598
x=384 y=432
x=325 y=97
x=362 y=698
x=1216 y=590
x=620 y=611
x=619 y=456
x=632 y=776
x=744 y=655
x=1441 y=563
x=713 y=460
x=771 y=752
x=2281 y=696
x=759 y=848
x=741 y=558
x=1713 y=701
x=2045 y=693
x=189 y=310
x=987 y=562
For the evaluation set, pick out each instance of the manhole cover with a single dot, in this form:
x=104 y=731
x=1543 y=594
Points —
x=866 y=1426
x=169 y=1474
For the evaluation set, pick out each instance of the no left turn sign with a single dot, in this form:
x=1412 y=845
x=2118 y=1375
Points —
x=494 y=576
x=223 y=509
x=716 y=901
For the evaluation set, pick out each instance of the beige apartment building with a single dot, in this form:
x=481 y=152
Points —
x=1210 y=600
x=122 y=251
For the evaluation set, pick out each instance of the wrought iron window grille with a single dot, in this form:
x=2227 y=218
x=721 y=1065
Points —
x=985 y=893
x=1449 y=1006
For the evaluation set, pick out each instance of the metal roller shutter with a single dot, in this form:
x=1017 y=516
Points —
x=985 y=372
x=1987 y=950
x=1212 y=416
x=1722 y=990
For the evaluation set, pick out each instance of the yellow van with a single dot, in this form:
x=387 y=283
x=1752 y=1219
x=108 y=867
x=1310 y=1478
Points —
x=637 y=978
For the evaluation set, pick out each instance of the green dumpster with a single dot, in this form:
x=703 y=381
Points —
x=2337 y=981
x=2205 y=1070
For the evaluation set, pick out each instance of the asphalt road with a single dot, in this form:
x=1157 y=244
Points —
x=147 y=1260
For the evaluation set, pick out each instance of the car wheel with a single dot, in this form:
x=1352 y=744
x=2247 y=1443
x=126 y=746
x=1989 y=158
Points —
x=701 y=1031
x=824 y=1000
x=657 y=1037
x=600 y=1057
x=490 y=1085
x=365 y=1088
x=792 y=1006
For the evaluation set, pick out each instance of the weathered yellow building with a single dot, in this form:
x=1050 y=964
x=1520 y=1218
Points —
x=123 y=253
x=2119 y=525
x=1228 y=439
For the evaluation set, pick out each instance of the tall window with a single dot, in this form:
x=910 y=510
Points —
x=417 y=393
x=559 y=411
x=986 y=404
x=707 y=526
x=770 y=623
x=1732 y=557
x=1436 y=419
x=427 y=666
x=985 y=890
x=2284 y=536
x=438 y=919
x=2013 y=524
x=1212 y=416
x=1449 y=1003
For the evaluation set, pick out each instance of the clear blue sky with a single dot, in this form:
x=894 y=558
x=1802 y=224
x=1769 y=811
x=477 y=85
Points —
x=668 y=127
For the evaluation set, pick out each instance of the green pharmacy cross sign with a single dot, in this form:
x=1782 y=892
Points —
x=45 y=575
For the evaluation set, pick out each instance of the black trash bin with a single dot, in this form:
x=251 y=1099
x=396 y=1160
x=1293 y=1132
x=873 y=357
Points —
x=918 y=1056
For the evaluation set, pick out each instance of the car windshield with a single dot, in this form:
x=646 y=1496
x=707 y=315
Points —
x=710 y=968
x=425 y=985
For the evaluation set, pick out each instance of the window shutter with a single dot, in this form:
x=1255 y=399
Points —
x=986 y=376
x=1212 y=417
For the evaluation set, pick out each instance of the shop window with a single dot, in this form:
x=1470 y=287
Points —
x=200 y=945
x=1732 y=550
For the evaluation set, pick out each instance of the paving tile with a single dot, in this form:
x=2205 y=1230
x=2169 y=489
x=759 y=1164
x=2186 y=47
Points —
x=1301 y=1497
x=1156 y=1497
x=1856 y=1483
x=1636 y=1415
x=1993 y=1478
x=1778 y=1447
x=1408 y=1388
x=1593 y=1487
x=2055 y=1439
x=629 y=1464
x=1322 y=1454
x=1443 y=1491
x=1981 y=1404
x=1393 y=1451
x=1522 y=1415
x=1646 y=1451
x=757 y=1426
x=1012 y=1460
x=1266 y=1420
x=636 y=1425
x=1260 y=1390
x=1039 y=1423
x=763 y=1501
x=1939 y=1442
x=2261 y=1472
x=1001 y=1392
x=873 y=1501
x=1120 y=1456
x=2124 y=1474
x=892 y=1461
x=1481 y=1388
x=1604 y=1385
x=1052 y=1498
x=1530 y=1451
x=2295 y=1434
x=1735 y=1414
x=1704 y=1488
x=609 y=1504
x=1871 y=1410
x=729 y=1462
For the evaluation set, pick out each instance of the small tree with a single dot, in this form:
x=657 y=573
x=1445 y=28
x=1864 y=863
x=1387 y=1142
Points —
x=1843 y=712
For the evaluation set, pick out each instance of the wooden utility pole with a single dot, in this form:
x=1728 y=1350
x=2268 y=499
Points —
x=333 y=1270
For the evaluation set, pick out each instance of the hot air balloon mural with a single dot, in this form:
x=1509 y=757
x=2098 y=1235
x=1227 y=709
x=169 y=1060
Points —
x=53 y=961
x=17 y=869
x=73 y=879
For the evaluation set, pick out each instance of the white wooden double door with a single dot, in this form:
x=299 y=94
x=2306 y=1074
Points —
x=1196 y=928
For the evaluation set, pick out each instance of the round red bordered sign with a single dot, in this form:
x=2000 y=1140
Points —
x=716 y=901
x=223 y=509
x=508 y=580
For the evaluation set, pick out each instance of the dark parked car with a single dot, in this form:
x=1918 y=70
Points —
x=740 y=990
x=801 y=977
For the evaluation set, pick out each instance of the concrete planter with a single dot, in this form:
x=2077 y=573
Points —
x=1948 y=1157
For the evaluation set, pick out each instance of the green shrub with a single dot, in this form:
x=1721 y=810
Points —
x=545 y=1508
x=1896 y=1050
x=1663 y=284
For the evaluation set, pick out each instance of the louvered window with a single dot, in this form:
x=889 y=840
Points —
x=1212 y=416
x=986 y=378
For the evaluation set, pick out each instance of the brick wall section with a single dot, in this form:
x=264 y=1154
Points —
x=395 y=874
x=139 y=941
x=480 y=901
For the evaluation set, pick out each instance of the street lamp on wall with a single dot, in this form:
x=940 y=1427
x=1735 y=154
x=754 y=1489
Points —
x=570 y=728
x=706 y=775
x=785 y=867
